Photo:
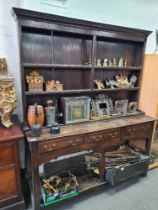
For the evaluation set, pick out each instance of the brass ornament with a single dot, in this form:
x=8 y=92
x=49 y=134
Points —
x=3 y=66
x=7 y=101
x=7 y=95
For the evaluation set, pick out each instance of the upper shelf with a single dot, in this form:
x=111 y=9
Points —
x=38 y=65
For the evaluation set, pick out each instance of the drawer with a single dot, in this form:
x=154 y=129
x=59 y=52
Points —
x=108 y=136
x=137 y=131
x=60 y=144
x=7 y=154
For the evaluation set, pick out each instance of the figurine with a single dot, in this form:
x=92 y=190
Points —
x=98 y=62
x=133 y=80
x=105 y=62
x=122 y=81
x=120 y=62
x=88 y=61
x=111 y=84
x=125 y=63
x=99 y=84
x=114 y=62
x=110 y=63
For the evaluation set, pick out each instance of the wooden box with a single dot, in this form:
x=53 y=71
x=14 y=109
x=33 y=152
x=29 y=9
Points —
x=117 y=174
x=76 y=109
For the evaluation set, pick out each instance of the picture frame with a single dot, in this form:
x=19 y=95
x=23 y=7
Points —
x=121 y=107
x=102 y=105
x=75 y=109
x=132 y=106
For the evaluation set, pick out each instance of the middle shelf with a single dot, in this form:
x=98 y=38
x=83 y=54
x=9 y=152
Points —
x=28 y=93
x=40 y=65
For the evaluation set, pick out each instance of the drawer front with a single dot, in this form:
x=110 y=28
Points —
x=60 y=144
x=104 y=136
x=8 y=185
x=137 y=131
x=7 y=154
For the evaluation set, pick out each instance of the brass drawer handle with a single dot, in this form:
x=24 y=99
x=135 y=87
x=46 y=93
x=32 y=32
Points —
x=100 y=136
x=113 y=135
x=73 y=143
x=131 y=131
x=49 y=147
x=46 y=146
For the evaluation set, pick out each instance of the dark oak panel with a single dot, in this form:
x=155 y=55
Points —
x=36 y=47
x=116 y=48
x=74 y=79
x=70 y=49
x=7 y=154
x=8 y=184
x=137 y=131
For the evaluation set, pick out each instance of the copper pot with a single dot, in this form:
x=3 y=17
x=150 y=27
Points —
x=35 y=115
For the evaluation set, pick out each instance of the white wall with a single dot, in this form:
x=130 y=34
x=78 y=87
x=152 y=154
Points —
x=9 y=44
x=131 y=13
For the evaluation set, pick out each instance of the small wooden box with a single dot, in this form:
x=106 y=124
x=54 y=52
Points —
x=53 y=85
x=35 y=87
x=35 y=82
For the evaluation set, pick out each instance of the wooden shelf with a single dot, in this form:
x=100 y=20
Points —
x=38 y=65
x=58 y=92
x=116 y=89
x=64 y=92
x=119 y=68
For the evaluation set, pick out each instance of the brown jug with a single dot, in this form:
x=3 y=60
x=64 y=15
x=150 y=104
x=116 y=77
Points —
x=35 y=115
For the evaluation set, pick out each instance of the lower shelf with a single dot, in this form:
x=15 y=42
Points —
x=61 y=199
x=85 y=183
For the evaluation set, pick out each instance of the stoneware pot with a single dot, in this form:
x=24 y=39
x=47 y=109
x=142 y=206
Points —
x=36 y=130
